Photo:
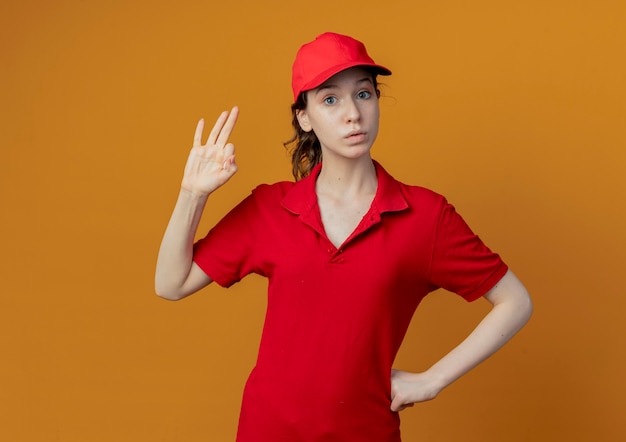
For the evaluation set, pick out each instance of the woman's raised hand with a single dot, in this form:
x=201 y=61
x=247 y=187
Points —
x=210 y=165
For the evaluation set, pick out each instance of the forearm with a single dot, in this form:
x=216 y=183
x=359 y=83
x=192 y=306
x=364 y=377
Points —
x=512 y=308
x=495 y=330
x=175 y=257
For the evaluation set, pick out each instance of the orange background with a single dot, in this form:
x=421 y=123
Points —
x=514 y=110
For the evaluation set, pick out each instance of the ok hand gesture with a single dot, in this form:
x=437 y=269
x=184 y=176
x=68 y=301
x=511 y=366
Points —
x=209 y=166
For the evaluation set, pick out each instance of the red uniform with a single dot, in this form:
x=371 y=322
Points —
x=336 y=316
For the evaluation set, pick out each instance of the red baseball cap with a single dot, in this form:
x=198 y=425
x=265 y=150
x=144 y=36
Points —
x=325 y=56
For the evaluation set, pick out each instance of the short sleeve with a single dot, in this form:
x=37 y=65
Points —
x=227 y=253
x=461 y=262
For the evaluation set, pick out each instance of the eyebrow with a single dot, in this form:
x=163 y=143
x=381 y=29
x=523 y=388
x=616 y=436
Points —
x=334 y=86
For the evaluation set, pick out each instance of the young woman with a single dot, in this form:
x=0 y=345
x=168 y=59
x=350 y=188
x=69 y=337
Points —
x=349 y=253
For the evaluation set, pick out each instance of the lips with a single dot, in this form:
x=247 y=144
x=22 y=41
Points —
x=356 y=137
x=355 y=134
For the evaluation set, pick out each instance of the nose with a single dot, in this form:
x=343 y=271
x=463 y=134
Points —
x=353 y=113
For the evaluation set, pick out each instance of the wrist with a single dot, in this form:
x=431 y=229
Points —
x=436 y=379
x=194 y=195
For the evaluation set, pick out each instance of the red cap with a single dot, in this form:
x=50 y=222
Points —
x=325 y=56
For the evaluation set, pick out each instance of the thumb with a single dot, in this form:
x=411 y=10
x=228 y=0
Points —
x=396 y=404
x=230 y=165
x=397 y=407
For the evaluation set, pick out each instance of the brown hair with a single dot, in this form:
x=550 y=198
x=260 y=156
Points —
x=304 y=147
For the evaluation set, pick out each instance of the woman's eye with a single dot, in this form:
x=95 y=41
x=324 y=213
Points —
x=330 y=100
x=364 y=94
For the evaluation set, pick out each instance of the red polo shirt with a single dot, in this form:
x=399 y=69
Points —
x=336 y=317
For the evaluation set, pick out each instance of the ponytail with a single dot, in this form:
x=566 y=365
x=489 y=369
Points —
x=304 y=147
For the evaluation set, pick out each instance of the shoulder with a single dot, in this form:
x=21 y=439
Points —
x=389 y=186
x=272 y=197
x=425 y=206
x=273 y=191
x=422 y=195
x=417 y=197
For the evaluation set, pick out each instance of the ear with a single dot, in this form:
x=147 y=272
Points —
x=303 y=120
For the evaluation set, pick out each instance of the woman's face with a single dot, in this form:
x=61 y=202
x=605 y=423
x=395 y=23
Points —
x=343 y=112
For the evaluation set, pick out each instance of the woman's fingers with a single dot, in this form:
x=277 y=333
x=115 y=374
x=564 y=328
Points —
x=397 y=406
x=230 y=165
x=217 y=127
x=227 y=129
x=229 y=150
x=197 y=138
x=223 y=127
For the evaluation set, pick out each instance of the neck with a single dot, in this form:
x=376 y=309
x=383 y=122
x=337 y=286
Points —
x=348 y=178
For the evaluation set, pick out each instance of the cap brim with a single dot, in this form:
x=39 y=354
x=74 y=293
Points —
x=325 y=75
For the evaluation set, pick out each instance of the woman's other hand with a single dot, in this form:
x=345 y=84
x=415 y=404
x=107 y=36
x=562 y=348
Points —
x=410 y=388
x=210 y=165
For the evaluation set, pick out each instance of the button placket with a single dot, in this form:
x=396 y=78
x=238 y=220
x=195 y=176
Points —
x=336 y=255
